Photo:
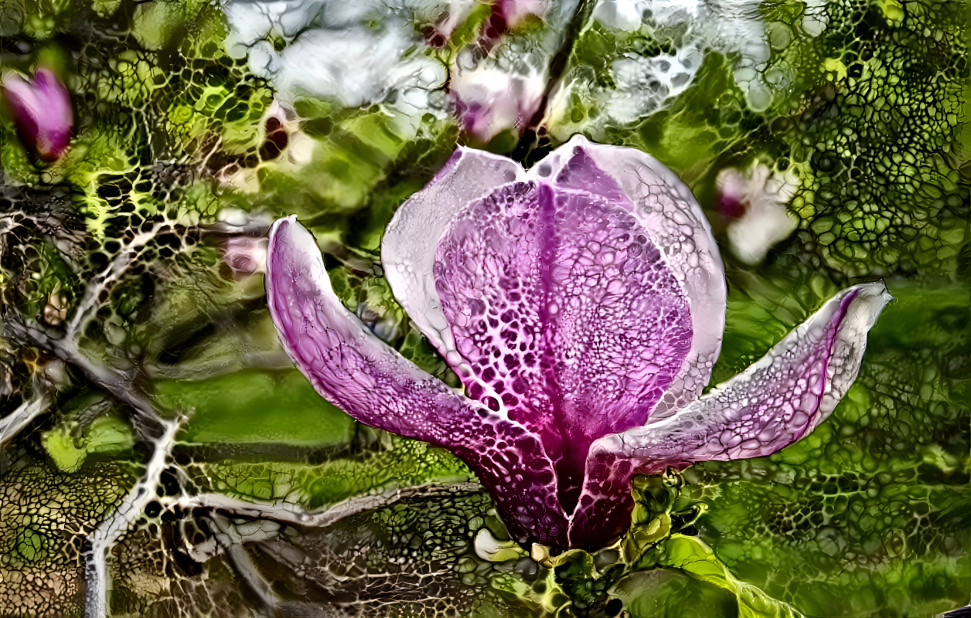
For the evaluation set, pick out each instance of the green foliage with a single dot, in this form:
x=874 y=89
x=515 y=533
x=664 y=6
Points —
x=68 y=447
x=255 y=406
x=692 y=556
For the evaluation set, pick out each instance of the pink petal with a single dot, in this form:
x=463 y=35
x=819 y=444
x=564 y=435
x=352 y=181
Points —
x=515 y=11
x=245 y=255
x=774 y=403
x=370 y=381
x=566 y=313
x=410 y=241
x=664 y=206
x=489 y=101
x=42 y=112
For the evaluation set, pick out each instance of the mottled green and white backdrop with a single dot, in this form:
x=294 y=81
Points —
x=158 y=453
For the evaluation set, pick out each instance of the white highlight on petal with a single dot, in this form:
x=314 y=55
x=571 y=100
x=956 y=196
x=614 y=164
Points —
x=411 y=239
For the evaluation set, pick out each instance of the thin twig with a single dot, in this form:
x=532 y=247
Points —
x=13 y=423
x=240 y=559
x=131 y=508
x=321 y=518
x=107 y=279
x=115 y=382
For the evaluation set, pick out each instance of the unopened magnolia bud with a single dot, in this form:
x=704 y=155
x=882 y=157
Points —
x=41 y=109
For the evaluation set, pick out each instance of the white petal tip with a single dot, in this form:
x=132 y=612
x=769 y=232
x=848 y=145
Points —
x=870 y=300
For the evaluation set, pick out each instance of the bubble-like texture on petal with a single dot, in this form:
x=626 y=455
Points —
x=566 y=312
x=355 y=370
x=664 y=206
x=774 y=403
x=408 y=247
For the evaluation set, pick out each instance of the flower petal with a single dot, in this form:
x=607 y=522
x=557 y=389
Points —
x=370 y=381
x=774 y=403
x=662 y=204
x=55 y=96
x=24 y=100
x=408 y=247
x=566 y=313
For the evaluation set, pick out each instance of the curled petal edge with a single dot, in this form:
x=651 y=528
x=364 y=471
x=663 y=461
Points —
x=780 y=398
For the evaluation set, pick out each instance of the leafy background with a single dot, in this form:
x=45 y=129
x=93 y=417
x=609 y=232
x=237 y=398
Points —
x=135 y=356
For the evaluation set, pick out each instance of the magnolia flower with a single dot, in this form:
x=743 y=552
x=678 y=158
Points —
x=755 y=202
x=41 y=110
x=582 y=304
x=489 y=101
x=245 y=255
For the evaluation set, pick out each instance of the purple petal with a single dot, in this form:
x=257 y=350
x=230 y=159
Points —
x=603 y=510
x=370 y=381
x=410 y=241
x=664 y=206
x=42 y=113
x=568 y=316
x=774 y=403
x=24 y=102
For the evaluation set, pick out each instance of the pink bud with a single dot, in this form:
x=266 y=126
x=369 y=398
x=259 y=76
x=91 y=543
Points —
x=489 y=101
x=245 y=255
x=41 y=109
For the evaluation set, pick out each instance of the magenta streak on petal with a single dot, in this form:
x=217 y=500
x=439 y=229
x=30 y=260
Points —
x=565 y=311
x=370 y=381
x=831 y=339
x=771 y=405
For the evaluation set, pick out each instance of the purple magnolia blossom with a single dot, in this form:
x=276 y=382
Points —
x=41 y=109
x=582 y=304
x=489 y=101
